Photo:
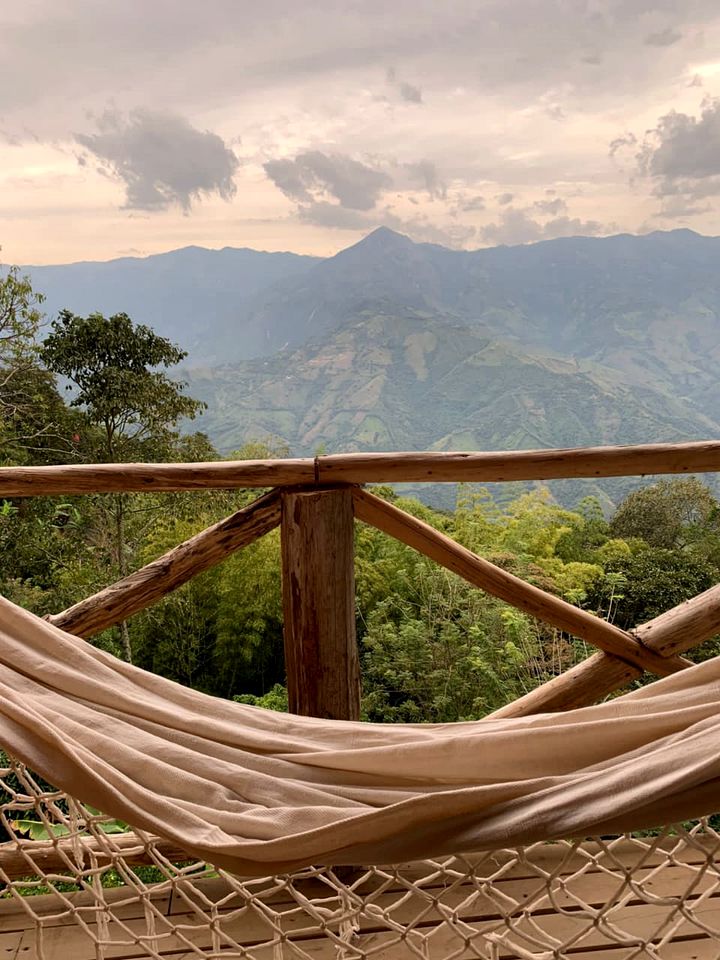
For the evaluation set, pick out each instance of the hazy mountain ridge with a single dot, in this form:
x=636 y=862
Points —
x=579 y=295
x=189 y=295
x=416 y=382
x=394 y=344
x=568 y=295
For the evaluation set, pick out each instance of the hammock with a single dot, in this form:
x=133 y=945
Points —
x=258 y=793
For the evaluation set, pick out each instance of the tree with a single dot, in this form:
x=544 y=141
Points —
x=444 y=652
x=642 y=585
x=671 y=514
x=222 y=631
x=31 y=410
x=20 y=317
x=36 y=427
x=113 y=368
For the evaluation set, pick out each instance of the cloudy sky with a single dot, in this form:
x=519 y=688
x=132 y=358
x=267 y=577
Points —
x=136 y=127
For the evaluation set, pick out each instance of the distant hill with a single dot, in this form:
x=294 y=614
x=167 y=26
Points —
x=189 y=295
x=388 y=382
x=395 y=344
x=586 y=296
x=413 y=382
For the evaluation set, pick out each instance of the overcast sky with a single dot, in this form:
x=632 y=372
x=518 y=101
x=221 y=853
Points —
x=135 y=127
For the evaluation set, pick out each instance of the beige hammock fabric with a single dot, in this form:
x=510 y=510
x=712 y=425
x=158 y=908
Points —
x=256 y=792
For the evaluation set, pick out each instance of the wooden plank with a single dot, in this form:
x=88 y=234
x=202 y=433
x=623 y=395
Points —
x=477 y=910
x=587 y=682
x=504 y=465
x=551 y=858
x=153 y=477
x=56 y=910
x=690 y=947
x=63 y=943
x=170 y=571
x=251 y=927
x=11 y=944
x=585 y=870
x=321 y=655
x=555 y=858
x=498 y=582
x=641 y=921
x=480 y=901
x=79 y=947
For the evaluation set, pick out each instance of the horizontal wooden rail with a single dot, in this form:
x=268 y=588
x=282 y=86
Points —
x=26 y=858
x=538 y=603
x=673 y=632
x=360 y=468
x=501 y=466
x=153 y=477
x=155 y=580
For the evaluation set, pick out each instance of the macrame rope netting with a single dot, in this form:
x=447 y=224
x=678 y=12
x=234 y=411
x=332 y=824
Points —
x=655 y=896
x=259 y=793
x=244 y=816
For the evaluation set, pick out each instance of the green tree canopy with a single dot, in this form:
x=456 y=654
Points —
x=30 y=409
x=113 y=365
x=20 y=317
x=114 y=368
x=671 y=514
x=644 y=584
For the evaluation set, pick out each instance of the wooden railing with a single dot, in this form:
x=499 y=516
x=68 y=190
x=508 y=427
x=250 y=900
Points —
x=315 y=501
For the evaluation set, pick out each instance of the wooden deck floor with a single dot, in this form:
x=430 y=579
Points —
x=181 y=931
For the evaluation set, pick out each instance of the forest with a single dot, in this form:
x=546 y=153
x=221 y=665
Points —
x=100 y=389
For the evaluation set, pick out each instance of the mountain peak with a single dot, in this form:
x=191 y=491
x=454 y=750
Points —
x=381 y=244
x=385 y=233
x=385 y=238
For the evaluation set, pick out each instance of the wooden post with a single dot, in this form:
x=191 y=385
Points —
x=321 y=656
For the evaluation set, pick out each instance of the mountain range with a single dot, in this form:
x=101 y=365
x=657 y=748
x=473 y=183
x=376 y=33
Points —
x=393 y=344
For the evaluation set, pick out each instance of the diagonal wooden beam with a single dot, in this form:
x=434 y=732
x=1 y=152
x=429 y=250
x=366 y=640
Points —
x=588 y=682
x=671 y=633
x=685 y=626
x=155 y=580
x=480 y=572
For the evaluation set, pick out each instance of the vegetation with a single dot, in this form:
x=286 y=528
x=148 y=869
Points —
x=422 y=381
x=432 y=647
x=131 y=407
